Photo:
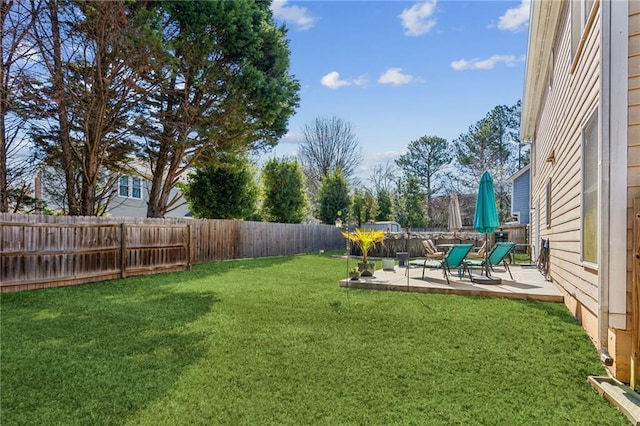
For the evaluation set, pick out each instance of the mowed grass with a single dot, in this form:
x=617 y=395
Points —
x=276 y=341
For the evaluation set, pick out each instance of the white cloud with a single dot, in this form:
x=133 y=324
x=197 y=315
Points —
x=395 y=76
x=517 y=18
x=361 y=81
x=418 y=18
x=332 y=80
x=292 y=138
x=386 y=156
x=294 y=15
x=485 y=64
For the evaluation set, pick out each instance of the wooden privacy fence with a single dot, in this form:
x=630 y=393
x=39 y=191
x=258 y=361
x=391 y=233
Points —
x=228 y=239
x=51 y=251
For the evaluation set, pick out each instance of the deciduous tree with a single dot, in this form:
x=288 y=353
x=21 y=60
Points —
x=16 y=171
x=329 y=143
x=384 y=176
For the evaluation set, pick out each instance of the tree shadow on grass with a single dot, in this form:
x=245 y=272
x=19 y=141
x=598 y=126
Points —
x=553 y=309
x=227 y=265
x=96 y=354
x=99 y=353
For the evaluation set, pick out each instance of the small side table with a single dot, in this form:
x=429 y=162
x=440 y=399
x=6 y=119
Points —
x=403 y=258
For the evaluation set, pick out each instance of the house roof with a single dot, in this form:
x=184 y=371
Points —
x=519 y=173
x=543 y=27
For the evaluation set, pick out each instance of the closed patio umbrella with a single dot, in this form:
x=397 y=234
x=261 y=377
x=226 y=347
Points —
x=455 y=218
x=486 y=220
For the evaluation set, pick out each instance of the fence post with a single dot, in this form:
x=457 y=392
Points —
x=123 y=249
x=189 y=246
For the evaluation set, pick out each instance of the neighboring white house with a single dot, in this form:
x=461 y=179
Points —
x=132 y=197
x=128 y=195
x=581 y=113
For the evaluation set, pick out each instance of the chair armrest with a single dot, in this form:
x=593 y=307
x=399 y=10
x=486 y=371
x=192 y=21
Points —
x=436 y=255
x=475 y=256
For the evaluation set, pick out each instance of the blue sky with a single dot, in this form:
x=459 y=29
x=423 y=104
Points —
x=398 y=70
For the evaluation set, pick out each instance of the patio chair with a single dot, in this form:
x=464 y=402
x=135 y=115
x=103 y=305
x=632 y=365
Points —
x=497 y=255
x=454 y=259
x=479 y=254
x=430 y=250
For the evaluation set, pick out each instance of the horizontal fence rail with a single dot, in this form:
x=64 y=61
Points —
x=51 y=251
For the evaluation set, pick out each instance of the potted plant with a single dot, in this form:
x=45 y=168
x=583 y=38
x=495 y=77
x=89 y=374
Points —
x=387 y=263
x=365 y=239
x=354 y=274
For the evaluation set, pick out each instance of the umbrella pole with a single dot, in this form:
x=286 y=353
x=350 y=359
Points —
x=486 y=278
x=486 y=255
x=486 y=219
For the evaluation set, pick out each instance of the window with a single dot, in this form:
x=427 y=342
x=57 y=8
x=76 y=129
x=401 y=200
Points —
x=590 y=191
x=130 y=186
x=135 y=187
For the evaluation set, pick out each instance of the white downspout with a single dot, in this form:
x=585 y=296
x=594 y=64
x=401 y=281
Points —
x=603 y=175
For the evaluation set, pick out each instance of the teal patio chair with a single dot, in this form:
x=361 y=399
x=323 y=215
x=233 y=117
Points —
x=497 y=255
x=454 y=259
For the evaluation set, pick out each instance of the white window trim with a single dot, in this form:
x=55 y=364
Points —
x=593 y=114
x=586 y=18
x=130 y=180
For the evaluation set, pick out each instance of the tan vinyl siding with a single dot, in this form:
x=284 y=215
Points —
x=565 y=111
x=633 y=153
x=137 y=207
x=633 y=136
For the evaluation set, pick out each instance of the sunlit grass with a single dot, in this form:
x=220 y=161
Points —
x=276 y=341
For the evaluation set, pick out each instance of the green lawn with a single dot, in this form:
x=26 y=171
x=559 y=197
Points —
x=276 y=341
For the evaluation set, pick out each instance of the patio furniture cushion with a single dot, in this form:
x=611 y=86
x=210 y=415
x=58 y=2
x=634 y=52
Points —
x=478 y=254
x=430 y=250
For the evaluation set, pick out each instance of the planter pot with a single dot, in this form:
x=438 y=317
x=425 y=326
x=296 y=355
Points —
x=388 y=264
x=366 y=269
x=355 y=276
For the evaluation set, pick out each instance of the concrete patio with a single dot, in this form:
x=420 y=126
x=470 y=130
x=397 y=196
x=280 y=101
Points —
x=527 y=283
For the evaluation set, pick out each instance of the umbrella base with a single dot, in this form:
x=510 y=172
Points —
x=482 y=279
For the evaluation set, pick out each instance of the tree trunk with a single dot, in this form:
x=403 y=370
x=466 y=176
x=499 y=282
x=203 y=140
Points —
x=165 y=174
x=4 y=196
x=58 y=88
